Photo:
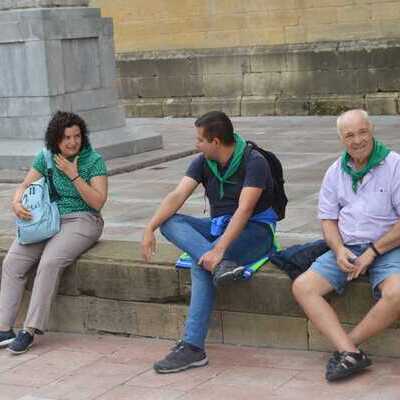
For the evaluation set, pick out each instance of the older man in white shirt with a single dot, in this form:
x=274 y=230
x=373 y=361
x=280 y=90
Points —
x=359 y=209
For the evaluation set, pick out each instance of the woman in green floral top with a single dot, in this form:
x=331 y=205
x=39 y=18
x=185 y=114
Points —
x=80 y=178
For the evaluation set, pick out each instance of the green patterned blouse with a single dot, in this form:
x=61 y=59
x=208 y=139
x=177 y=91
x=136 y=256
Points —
x=90 y=164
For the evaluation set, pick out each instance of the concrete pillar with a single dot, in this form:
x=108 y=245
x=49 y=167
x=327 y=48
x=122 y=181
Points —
x=59 y=55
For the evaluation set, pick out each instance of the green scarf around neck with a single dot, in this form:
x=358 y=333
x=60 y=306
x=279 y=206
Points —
x=240 y=146
x=378 y=154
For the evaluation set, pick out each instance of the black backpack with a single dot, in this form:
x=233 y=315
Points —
x=279 y=200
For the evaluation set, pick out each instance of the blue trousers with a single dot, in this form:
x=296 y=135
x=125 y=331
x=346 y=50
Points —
x=193 y=236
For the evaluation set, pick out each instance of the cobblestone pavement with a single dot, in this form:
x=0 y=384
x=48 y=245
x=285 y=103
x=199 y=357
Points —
x=85 y=367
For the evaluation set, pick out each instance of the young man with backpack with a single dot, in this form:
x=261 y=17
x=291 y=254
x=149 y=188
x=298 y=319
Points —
x=240 y=188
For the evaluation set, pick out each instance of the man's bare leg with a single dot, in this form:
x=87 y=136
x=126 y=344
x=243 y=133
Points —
x=309 y=289
x=382 y=314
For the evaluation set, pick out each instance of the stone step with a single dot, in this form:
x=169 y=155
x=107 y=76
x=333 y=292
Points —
x=111 y=143
x=110 y=289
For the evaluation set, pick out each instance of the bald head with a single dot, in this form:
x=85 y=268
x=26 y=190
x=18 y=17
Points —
x=352 y=118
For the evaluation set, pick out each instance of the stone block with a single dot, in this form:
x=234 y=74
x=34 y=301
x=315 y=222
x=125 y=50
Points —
x=123 y=281
x=312 y=59
x=382 y=103
x=55 y=67
x=24 y=106
x=228 y=63
x=292 y=106
x=231 y=106
x=262 y=84
x=384 y=57
x=69 y=314
x=265 y=330
x=268 y=293
x=223 y=85
x=386 y=344
x=93 y=99
x=82 y=71
x=176 y=107
x=258 y=106
x=36 y=70
x=112 y=316
x=172 y=86
x=71 y=27
x=268 y=62
x=334 y=105
x=15 y=4
x=167 y=321
x=30 y=127
x=69 y=282
x=146 y=108
x=155 y=66
x=390 y=80
x=102 y=118
x=14 y=73
x=11 y=32
x=107 y=60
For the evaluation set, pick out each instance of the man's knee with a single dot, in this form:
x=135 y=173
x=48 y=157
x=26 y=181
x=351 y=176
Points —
x=309 y=283
x=301 y=287
x=171 y=224
x=391 y=290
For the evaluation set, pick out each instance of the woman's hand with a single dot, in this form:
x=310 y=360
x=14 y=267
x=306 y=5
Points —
x=69 y=168
x=20 y=211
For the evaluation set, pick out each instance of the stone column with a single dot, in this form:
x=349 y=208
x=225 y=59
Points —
x=59 y=55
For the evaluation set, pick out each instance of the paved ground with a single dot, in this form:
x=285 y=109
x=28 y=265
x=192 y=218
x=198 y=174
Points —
x=306 y=146
x=76 y=367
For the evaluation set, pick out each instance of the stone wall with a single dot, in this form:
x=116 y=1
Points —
x=303 y=79
x=173 y=24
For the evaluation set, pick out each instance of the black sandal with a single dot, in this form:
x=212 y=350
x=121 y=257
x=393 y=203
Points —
x=344 y=364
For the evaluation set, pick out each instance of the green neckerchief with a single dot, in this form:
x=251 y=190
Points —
x=379 y=153
x=240 y=146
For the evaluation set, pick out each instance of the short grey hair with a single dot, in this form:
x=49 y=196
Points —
x=361 y=112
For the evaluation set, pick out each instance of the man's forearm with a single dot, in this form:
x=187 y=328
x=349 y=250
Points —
x=168 y=207
x=389 y=240
x=331 y=234
x=235 y=226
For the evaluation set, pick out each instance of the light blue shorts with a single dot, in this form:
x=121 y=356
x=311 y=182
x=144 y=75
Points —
x=383 y=267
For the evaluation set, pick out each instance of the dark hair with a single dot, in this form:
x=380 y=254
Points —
x=216 y=124
x=56 y=128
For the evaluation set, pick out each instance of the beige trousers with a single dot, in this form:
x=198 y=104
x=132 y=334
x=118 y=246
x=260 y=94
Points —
x=79 y=231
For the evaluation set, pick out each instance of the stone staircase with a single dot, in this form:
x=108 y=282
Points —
x=110 y=289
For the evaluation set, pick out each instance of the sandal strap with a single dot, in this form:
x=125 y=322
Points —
x=350 y=359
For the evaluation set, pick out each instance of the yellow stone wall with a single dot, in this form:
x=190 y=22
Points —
x=178 y=24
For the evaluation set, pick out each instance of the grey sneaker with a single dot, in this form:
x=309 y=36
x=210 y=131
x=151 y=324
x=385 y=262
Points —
x=21 y=343
x=227 y=272
x=181 y=357
x=6 y=337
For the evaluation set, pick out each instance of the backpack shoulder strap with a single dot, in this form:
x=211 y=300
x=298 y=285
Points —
x=48 y=158
x=54 y=195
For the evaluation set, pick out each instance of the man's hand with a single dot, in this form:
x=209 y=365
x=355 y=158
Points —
x=210 y=259
x=148 y=244
x=20 y=211
x=69 y=168
x=345 y=259
x=362 y=263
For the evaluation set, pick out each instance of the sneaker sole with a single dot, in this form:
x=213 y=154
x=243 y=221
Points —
x=197 y=364
x=5 y=343
x=229 y=277
x=349 y=372
x=19 y=352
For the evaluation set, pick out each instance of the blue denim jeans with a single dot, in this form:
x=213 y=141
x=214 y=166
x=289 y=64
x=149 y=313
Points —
x=193 y=236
